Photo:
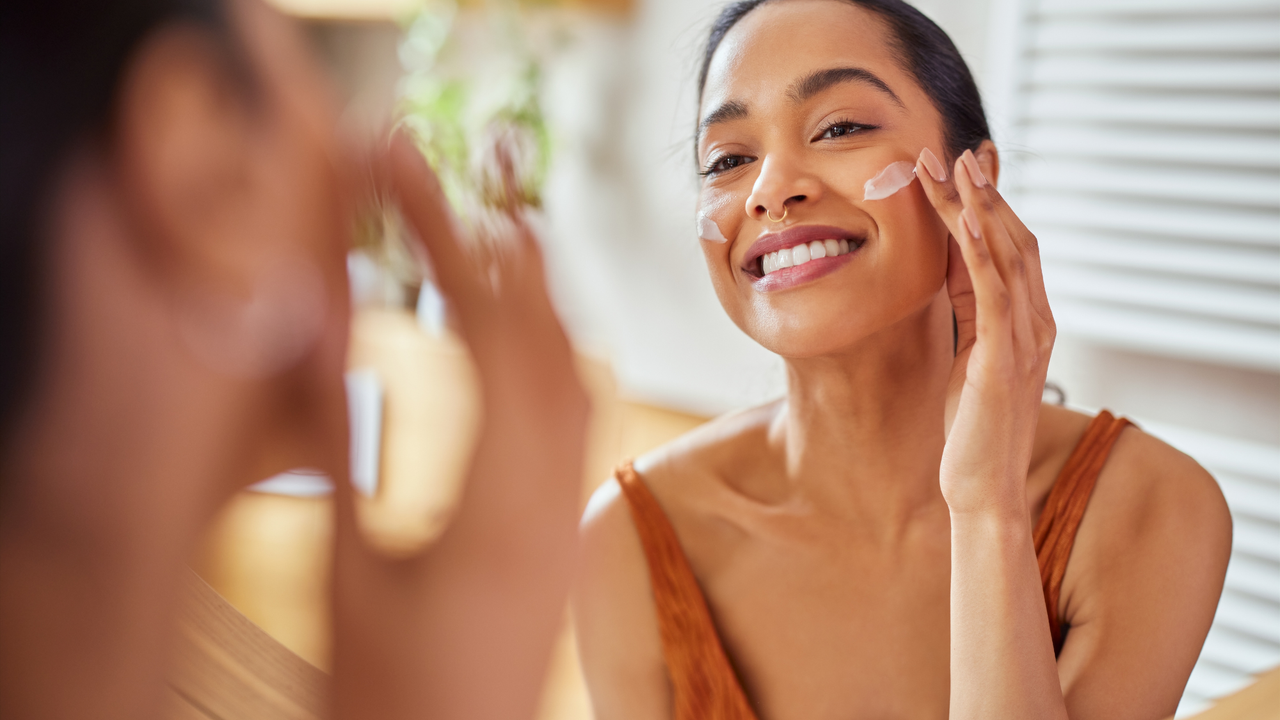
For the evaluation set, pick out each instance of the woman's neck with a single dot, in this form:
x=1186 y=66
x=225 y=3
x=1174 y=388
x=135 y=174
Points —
x=862 y=432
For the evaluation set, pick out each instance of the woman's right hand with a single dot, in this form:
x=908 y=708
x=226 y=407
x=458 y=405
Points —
x=465 y=629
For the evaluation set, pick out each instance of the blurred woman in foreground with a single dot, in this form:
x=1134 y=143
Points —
x=174 y=314
x=896 y=537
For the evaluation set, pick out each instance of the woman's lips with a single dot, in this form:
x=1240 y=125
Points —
x=800 y=274
x=798 y=255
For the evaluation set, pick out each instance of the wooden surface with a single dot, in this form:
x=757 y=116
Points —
x=227 y=667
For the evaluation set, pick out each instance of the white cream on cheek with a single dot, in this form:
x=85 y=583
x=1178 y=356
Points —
x=889 y=180
x=709 y=230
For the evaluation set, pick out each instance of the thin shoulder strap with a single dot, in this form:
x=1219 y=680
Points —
x=703 y=682
x=1055 y=533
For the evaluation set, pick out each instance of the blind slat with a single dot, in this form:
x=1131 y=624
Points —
x=1249 y=615
x=1255 y=577
x=1113 y=8
x=1236 y=264
x=1260 y=539
x=1251 y=497
x=1211 y=225
x=1198 y=297
x=1054 y=141
x=1242 y=653
x=1198 y=185
x=1207 y=32
x=1157 y=111
x=1214 y=74
x=1210 y=680
x=1213 y=341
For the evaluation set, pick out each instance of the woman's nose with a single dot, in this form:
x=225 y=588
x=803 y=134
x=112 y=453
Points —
x=779 y=190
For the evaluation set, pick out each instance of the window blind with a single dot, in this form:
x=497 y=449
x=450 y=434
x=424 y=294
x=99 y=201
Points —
x=1145 y=139
x=1142 y=145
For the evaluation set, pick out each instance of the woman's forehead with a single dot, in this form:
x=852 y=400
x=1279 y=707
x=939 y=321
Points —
x=781 y=42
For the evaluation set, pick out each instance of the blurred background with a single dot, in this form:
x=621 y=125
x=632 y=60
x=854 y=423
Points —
x=1140 y=140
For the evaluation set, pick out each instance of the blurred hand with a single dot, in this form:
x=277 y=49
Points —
x=465 y=629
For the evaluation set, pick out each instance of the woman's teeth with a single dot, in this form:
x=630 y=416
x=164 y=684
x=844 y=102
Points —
x=801 y=254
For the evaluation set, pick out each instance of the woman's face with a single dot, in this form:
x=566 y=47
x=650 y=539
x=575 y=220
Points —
x=804 y=103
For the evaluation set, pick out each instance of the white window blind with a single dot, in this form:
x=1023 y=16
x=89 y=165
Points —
x=1142 y=145
x=1144 y=139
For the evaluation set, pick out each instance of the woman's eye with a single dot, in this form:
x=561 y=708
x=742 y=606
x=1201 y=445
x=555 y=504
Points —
x=724 y=164
x=840 y=129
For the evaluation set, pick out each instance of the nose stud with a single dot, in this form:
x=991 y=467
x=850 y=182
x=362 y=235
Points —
x=773 y=219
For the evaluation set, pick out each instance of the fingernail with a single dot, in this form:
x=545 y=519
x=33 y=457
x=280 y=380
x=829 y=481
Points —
x=932 y=164
x=970 y=220
x=975 y=171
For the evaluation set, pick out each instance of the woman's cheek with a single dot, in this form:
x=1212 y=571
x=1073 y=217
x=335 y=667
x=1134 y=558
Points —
x=716 y=222
x=917 y=234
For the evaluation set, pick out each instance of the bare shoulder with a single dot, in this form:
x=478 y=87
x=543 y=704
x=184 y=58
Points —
x=673 y=473
x=615 y=620
x=680 y=471
x=1144 y=484
x=1143 y=580
x=1149 y=497
x=1151 y=494
x=613 y=605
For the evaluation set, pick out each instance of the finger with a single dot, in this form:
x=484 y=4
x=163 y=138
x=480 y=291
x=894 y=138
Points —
x=980 y=209
x=523 y=272
x=940 y=189
x=1023 y=239
x=973 y=188
x=991 y=298
x=424 y=206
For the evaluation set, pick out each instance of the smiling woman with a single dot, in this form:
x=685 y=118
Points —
x=905 y=533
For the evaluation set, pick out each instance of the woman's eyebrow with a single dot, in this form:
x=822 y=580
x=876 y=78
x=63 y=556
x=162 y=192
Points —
x=732 y=110
x=815 y=82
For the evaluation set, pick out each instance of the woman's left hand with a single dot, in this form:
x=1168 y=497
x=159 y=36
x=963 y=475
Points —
x=1005 y=336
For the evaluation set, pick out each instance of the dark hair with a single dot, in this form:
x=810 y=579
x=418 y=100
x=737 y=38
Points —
x=925 y=51
x=60 y=64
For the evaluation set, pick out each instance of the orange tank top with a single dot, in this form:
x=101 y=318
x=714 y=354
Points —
x=703 y=682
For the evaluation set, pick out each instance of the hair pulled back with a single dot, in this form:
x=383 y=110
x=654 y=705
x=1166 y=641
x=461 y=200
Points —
x=925 y=51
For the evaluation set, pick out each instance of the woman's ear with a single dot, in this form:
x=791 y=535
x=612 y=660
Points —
x=989 y=161
x=201 y=178
x=183 y=154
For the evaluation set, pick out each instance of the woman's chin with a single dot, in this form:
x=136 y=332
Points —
x=798 y=338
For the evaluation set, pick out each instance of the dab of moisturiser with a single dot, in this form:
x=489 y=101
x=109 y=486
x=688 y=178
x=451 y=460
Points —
x=709 y=230
x=889 y=180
